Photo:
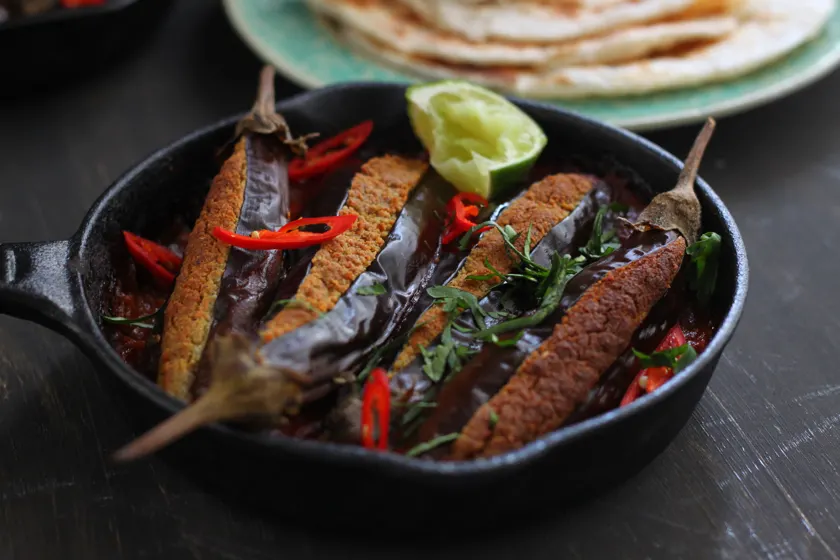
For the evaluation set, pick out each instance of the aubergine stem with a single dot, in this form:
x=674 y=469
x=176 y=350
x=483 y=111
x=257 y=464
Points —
x=241 y=388
x=264 y=118
x=679 y=208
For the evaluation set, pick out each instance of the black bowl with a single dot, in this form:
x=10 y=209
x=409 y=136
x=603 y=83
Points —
x=61 y=284
x=67 y=43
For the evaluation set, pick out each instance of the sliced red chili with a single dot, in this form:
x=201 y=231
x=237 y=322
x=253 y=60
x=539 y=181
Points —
x=634 y=391
x=463 y=208
x=376 y=410
x=162 y=263
x=289 y=236
x=649 y=380
x=332 y=151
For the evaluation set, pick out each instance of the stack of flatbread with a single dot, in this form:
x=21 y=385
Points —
x=576 y=48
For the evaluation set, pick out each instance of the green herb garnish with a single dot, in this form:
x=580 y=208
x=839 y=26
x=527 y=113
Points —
x=431 y=444
x=551 y=283
x=137 y=322
x=410 y=421
x=506 y=342
x=526 y=248
x=552 y=287
x=529 y=270
x=493 y=273
x=462 y=329
x=499 y=314
x=414 y=411
x=676 y=359
x=704 y=255
x=509 y=235
x=372 y=290
x=445 y=356
x=602 y=243
x=494 y=419
x=455 y=300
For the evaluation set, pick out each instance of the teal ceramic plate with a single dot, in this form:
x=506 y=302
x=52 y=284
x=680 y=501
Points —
x=285 y=34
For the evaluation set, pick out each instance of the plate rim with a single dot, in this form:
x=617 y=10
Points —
x=740 y=103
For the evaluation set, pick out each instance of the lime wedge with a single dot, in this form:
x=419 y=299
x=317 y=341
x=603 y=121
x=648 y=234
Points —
x=478 y=140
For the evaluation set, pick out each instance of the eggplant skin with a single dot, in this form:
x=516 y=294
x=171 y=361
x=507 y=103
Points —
x=545 y=204
x=189 y=313
x=377 y=194
x=554 y=379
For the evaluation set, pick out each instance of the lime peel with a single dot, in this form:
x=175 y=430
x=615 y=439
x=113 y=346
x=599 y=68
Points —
x=477 y=140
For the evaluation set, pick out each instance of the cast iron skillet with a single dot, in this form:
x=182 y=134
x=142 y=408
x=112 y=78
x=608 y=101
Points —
x=60 y=284
x=62 y=44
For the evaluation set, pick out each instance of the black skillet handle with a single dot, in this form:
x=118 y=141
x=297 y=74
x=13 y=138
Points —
x=37 y=283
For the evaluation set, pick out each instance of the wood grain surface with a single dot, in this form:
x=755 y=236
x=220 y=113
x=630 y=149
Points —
x=753 y=475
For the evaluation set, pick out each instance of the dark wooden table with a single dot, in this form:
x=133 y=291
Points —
x=754 y=474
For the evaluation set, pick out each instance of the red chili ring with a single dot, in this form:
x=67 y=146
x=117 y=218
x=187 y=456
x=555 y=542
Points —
x=332 y=151
x=162 y=263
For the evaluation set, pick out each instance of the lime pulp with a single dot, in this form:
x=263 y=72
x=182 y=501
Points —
x=477 y=140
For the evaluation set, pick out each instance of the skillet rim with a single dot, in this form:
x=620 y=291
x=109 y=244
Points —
x=342 y=455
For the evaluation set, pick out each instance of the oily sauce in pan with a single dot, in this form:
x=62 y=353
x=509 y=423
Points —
x=134 y=294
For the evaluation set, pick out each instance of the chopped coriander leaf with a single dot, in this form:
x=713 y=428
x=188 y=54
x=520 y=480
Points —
x=526 y=249
x=431 y=444
x=494 y=419
x=455 y=300
x=462 y=329
x=501 y=314
x=562 y=270
x=506 y=342
x=413 y=413
x=434 y=362
x=411 y=419
x=372 y=290
x=704 y=255
x=447 y=355
x=138 y=322
x=685 y=360
x=493 y=273
x=676 y=359
x=559 y=268
x=463 y=352
x=509 y=236
x=601 y=243
x=511 y=233
x=529 y=270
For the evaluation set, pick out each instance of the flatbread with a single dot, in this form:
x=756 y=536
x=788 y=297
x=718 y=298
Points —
x=533 y=22
x=770 y=29
x=392 y=25
x=568 y=4
x=634 y=43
